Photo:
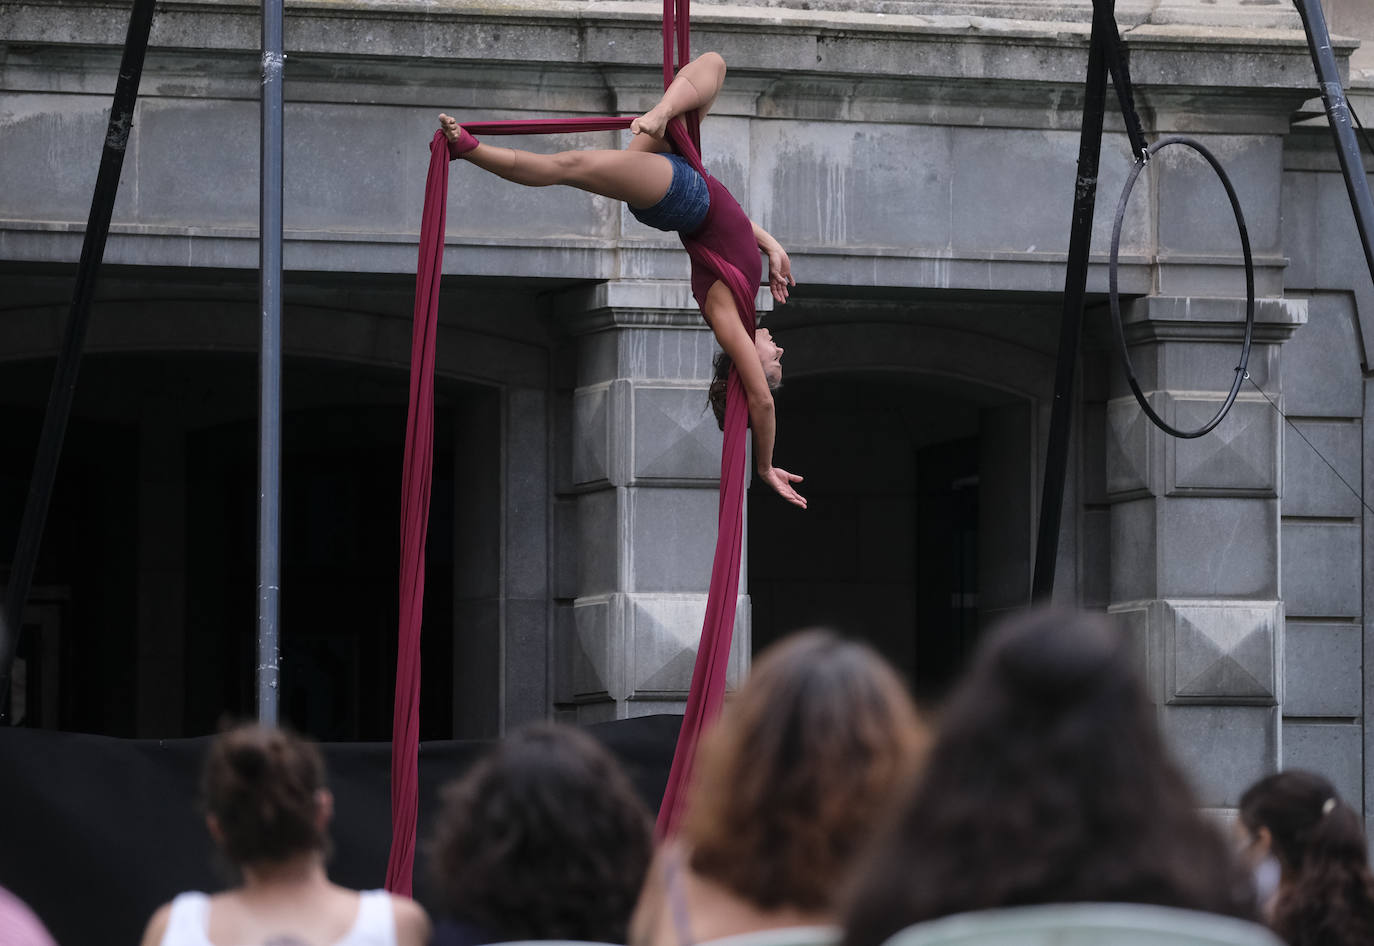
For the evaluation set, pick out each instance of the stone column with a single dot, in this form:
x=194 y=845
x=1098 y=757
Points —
x=638 y=511
x=1195 y=534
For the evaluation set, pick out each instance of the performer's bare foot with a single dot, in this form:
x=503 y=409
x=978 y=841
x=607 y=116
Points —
x=653 y=123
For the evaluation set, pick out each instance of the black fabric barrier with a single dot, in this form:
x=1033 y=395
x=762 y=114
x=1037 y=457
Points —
x=96 y=832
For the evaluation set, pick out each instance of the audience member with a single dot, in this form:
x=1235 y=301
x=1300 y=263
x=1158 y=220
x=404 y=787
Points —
x=544 y=838
x=268 y=810
x=790 y=784
x=19 y=926
x=1048 y=783
x=1325 y=894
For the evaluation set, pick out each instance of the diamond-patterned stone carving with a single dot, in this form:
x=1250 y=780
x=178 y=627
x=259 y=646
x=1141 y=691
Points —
x=1128 y=449
x=662 y=635
x=1222 y=651
x=1133 y=620
x=591 y=440
x=587 y=659
x=1239 y=457
x=675 y=434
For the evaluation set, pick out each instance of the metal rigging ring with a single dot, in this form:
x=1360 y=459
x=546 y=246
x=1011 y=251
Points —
x=1114 y=297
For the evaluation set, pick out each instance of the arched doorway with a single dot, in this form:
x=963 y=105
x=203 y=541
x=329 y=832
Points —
x=144 y=598
x=920 y=496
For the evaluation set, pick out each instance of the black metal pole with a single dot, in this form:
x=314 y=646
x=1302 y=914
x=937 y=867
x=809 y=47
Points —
x=1338 y=116
x=69 y=359
x=1071 y=325
x=269 y=400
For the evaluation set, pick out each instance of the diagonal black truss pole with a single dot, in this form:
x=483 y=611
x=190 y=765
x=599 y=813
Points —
x=1338 y=117
x=69 y=359
x=1071 y=324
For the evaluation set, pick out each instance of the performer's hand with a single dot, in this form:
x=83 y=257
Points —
x=653 y=124
x=449 y=125
x=782 y=481
x=779 y=273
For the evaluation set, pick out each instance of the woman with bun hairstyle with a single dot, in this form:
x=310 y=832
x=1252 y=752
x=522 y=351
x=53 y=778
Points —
x=268 y=810
x=1325 y=894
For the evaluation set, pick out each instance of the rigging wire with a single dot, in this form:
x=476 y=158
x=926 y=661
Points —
x=1360 y=125
x=1358 y=494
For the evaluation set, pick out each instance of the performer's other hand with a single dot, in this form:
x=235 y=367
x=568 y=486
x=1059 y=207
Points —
x=782 y=481
x=779 y=274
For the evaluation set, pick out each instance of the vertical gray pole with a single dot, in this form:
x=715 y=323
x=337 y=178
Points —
x=269 y=401
x=63 y=389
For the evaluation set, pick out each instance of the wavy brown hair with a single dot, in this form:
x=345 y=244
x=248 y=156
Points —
x=262 y=786
x=798 y=770
x=1327 y=894
x=1049 y=782
x=544 y=838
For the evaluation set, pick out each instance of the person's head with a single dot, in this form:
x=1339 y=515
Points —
x=797 y=771
x=1326 y=893
x=544 y=838
x=1049 y=782
x=265 y=795
x=770 y=357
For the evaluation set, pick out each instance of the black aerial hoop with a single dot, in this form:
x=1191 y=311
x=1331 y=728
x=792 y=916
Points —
x=1114 y=297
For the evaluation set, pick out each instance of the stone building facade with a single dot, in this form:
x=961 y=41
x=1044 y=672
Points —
x=918 y=161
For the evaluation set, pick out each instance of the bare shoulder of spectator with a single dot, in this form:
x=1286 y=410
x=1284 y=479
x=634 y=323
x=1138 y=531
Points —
x=412 y=923
x=157 y=926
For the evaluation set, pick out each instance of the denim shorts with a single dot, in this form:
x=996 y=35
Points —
x=684 y=207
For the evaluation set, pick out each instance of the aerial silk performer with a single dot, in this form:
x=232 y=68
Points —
x=661 y=177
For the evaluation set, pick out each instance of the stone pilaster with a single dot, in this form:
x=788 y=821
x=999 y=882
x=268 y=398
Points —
x=637 y=522
x=1195 y=533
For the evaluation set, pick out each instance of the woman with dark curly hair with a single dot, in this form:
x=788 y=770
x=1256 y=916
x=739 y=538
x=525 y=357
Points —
x=268 y=809
x=544 y=838
x=1325 y=894
x=1048 y=783
x=790 y=784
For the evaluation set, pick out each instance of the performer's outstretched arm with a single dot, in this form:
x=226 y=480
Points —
x=723 y=317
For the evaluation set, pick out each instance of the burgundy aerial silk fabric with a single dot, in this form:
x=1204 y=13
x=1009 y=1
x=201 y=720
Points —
x=722 y=249
x=416 y=473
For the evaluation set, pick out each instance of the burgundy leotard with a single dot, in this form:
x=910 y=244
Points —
x=723 y=247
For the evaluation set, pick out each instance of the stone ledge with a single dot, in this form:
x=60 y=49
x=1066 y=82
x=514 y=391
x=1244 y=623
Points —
x=559 y=260
x=1195 y=318
x=622 y=32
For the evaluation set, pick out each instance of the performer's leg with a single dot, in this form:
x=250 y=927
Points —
x=695 y=87
x=638 y=178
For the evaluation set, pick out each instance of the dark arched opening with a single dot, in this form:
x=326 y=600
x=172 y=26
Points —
x=919 y=492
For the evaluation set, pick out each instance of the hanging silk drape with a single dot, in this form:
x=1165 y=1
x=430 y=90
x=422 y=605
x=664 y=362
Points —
x=416 y=473
x=708 y=677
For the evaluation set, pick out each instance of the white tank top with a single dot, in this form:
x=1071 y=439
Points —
x=189 y=921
